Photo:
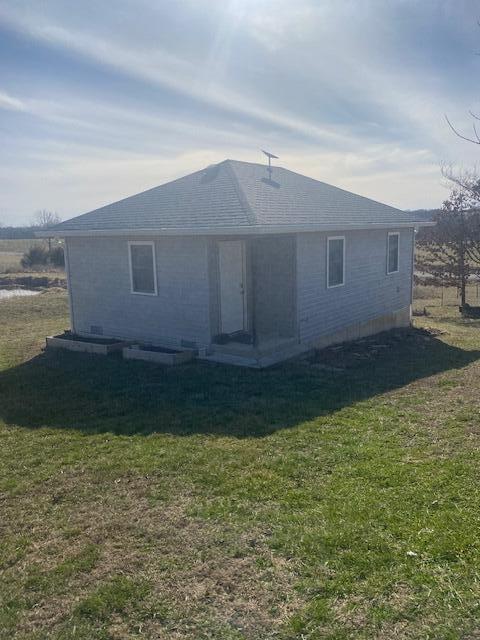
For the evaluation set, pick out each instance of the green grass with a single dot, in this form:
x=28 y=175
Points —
x=117 y=596
x=212 y=502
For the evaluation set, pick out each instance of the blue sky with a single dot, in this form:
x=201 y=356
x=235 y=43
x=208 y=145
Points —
x=99 y=100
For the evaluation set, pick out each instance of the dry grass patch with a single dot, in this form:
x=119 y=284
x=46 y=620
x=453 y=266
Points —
x=90 y=549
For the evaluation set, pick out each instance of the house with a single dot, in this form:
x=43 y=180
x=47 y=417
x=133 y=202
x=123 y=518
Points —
x=247 y=266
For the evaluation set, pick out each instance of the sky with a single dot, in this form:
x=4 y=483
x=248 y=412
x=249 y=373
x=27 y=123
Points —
x=101 y=100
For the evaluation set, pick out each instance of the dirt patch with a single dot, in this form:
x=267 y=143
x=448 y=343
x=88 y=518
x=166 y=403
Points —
x=353 y=613
x=200 y=571
x=350 y=354
x=33 y=282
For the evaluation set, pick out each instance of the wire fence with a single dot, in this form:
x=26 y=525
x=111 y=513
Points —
x=443 y=296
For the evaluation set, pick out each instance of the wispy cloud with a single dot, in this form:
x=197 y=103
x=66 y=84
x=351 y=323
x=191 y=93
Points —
x=11 y=103
x=157 y=66
x=100 y=101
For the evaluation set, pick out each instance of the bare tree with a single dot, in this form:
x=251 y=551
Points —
x=451 y=249
x=475 y=138
x=45 y=219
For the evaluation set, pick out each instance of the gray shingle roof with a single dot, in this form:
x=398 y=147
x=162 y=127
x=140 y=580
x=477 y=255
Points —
x=238 y=196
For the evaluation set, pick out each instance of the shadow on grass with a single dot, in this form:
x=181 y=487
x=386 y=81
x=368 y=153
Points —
x=106 y=394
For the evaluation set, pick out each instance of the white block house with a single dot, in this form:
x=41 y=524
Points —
x=250 y=267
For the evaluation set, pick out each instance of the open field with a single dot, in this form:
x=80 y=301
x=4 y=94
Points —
x=444 y=296
x=20 y=245
x=11 y=252
x=212 y=502
x=10 y=261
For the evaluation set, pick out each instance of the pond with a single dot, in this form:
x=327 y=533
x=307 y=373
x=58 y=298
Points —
x=5 y=294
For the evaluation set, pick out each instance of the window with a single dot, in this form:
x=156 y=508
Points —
x=143 y=277
x=392 y=252
x=335 y=261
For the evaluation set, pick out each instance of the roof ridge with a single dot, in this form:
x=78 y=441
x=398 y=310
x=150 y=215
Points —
x=245 y=204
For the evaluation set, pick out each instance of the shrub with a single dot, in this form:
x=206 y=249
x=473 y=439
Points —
x=57 y=256
x=35 y=256
x=39 y=256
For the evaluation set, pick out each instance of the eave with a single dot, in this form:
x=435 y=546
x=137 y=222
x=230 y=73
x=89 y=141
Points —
x=224 y=231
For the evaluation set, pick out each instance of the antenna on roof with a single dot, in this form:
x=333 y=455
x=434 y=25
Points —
x=269 y=156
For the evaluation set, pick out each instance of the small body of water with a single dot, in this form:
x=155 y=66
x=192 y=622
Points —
x=5 y=294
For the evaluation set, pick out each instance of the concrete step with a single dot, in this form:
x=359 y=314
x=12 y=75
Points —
x=230 y=358
x=257 y=361
x=275 y=357
x=262 y=349
x=235 y=348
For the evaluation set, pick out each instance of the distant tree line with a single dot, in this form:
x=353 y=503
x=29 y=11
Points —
x=42 y=219
x=17 y=233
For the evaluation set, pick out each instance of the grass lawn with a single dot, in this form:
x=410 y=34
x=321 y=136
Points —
x=212 y=502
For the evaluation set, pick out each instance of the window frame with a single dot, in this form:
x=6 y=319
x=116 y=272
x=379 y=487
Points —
x=389 y=235
x=340 y=284
x=147 y=243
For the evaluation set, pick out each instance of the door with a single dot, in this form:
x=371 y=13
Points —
x=231 y=262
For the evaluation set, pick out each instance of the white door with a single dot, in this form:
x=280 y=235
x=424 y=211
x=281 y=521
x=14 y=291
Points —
x=231 y=262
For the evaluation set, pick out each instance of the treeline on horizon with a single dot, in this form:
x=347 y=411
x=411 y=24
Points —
x=18 y=233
